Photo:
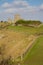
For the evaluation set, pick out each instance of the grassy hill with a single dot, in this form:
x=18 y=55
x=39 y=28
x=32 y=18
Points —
x=15 y=40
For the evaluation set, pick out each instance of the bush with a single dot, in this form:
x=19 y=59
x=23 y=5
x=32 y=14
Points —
x=28 y=22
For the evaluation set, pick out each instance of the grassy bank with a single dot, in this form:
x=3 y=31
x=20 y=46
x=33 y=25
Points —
x=35 y=57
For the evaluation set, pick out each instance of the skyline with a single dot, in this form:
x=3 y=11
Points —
x=28 y=9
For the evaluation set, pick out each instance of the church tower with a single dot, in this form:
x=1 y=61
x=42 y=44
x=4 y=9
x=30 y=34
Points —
x=16 y=18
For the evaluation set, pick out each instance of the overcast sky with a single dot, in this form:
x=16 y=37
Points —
x=28 y=9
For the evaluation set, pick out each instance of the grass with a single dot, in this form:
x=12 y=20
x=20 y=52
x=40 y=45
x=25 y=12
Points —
x=35 y=57
x=27 y=30
x=40 y=29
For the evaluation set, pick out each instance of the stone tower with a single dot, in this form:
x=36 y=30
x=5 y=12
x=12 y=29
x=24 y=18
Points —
x=16 y=18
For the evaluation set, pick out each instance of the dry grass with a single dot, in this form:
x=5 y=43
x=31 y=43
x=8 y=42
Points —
x=15 y=42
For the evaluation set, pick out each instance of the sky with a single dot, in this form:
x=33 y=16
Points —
x=28 y=9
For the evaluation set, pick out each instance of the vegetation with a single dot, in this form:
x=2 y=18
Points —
x=28 y=22
x=35 y=56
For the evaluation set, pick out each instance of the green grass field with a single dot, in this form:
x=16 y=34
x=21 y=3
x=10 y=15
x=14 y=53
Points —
x=35 y=56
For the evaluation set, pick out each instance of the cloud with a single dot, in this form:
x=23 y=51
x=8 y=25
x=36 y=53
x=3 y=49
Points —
x=21 y=3
x=22 y=7
x=18 y=5
x=15 y=3
x=5 y=5
x=41 y=7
